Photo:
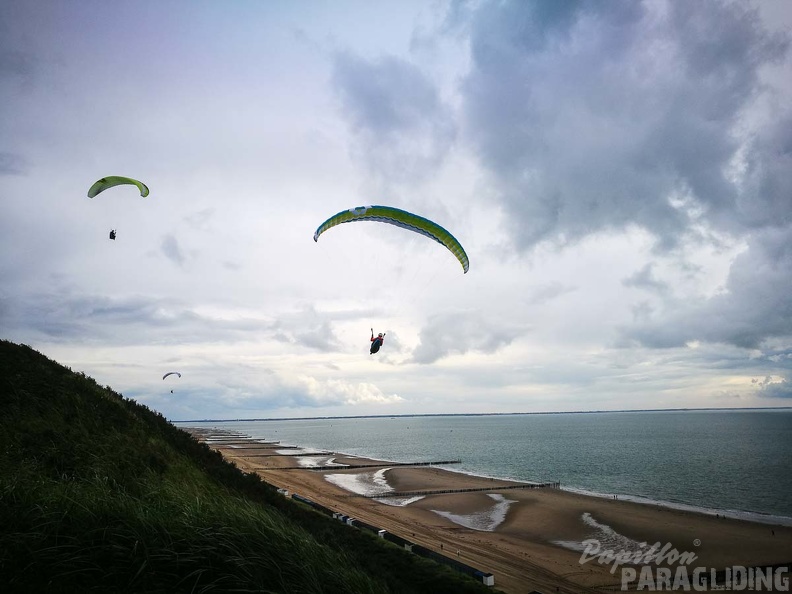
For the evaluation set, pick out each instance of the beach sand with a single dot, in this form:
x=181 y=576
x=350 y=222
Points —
x=515 y=533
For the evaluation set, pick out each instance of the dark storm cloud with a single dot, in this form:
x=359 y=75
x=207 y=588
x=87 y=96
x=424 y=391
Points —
x=756 y=306
x=546 y=293
x=67 y=318
x=200 y=219
x=602 y=116
x=16 y=71
x=311 y=328
x=592 y=116
x=16 y=64
x=402 y=128
x=170 y=247
x=12 y=164
x=645 y=279
x=312 y=334
x=774 y=389
x=766 y=199
x=451 y=333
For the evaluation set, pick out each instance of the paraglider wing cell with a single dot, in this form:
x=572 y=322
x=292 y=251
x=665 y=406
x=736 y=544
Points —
x=400 y=218
x=116 y=180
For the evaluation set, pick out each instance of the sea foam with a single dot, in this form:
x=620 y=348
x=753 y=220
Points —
x=370 y=484
x=484 y=521
x=605 y=535
x=313 y=461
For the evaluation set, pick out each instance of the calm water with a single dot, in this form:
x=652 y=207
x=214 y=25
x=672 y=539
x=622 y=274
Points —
x=721 y=460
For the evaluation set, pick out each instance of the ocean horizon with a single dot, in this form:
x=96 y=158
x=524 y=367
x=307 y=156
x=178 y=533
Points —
x=486 y=414
x=734 y=462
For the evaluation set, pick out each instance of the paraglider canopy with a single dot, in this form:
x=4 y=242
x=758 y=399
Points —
x=116 y=180
x=400 y=218
x=171 y=373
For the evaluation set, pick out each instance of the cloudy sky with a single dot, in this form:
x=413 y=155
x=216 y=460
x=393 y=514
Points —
x=620 y=174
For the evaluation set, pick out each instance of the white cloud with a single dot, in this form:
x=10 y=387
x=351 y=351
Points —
x=619 y=174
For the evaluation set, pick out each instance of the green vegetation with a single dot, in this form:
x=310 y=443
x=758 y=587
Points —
x=101 y=494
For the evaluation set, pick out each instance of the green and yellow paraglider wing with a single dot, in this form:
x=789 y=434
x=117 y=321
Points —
x=116 y=180
x=400 y=218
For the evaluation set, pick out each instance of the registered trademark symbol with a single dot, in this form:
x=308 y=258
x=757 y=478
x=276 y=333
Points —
x=696 y=543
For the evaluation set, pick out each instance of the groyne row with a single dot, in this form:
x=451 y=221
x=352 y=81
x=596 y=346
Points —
x=553 y=485
x=377 y=465
x=231 y=442
x=289 y=455
x=263 y=446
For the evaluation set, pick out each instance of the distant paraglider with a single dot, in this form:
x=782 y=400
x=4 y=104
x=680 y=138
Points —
x=171 y=373
x=400 y=218
x=116 y=180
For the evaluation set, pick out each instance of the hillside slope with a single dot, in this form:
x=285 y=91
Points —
x=100 y=493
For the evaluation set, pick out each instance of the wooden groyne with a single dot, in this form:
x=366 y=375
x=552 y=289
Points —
x=378 y=465
x=198 y=434
x=234 y=441
x=261 y=446
x=553 y=485
x=289 y=455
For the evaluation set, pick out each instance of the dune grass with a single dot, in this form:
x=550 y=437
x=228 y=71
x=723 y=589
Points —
x=101 y=494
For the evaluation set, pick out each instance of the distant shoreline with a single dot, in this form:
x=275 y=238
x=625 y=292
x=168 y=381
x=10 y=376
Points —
x=492 y=414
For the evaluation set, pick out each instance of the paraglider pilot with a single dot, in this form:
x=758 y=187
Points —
x=376 y=343
x=112 y=234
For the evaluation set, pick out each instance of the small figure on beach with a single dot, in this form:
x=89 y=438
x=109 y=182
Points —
x=112 y=234
x=376 y=343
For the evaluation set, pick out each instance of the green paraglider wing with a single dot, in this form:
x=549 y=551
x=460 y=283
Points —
x=400 y=218
x=116 y=180
x=171 y=373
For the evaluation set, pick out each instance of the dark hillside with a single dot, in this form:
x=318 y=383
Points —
x=101 y=494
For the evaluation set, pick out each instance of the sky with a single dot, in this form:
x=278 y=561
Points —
x=619 y=173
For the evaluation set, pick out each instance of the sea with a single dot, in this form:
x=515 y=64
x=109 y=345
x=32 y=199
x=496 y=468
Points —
x=736 y=463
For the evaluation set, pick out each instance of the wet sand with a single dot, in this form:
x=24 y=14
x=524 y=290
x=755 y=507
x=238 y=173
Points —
x=515 y=533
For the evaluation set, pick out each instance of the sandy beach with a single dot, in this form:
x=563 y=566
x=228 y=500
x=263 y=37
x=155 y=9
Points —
x=530 y=538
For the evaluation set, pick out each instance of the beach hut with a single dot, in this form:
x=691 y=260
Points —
x=488 y=579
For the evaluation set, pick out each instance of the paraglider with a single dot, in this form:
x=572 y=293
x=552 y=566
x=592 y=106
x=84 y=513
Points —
x=116 y=180
x=400 y=218
x=376 y=343
x=171 y=373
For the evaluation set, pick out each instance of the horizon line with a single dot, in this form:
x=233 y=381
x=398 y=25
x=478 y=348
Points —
x=485 y=414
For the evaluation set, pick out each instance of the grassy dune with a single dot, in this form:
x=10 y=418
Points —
x=101 y=494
